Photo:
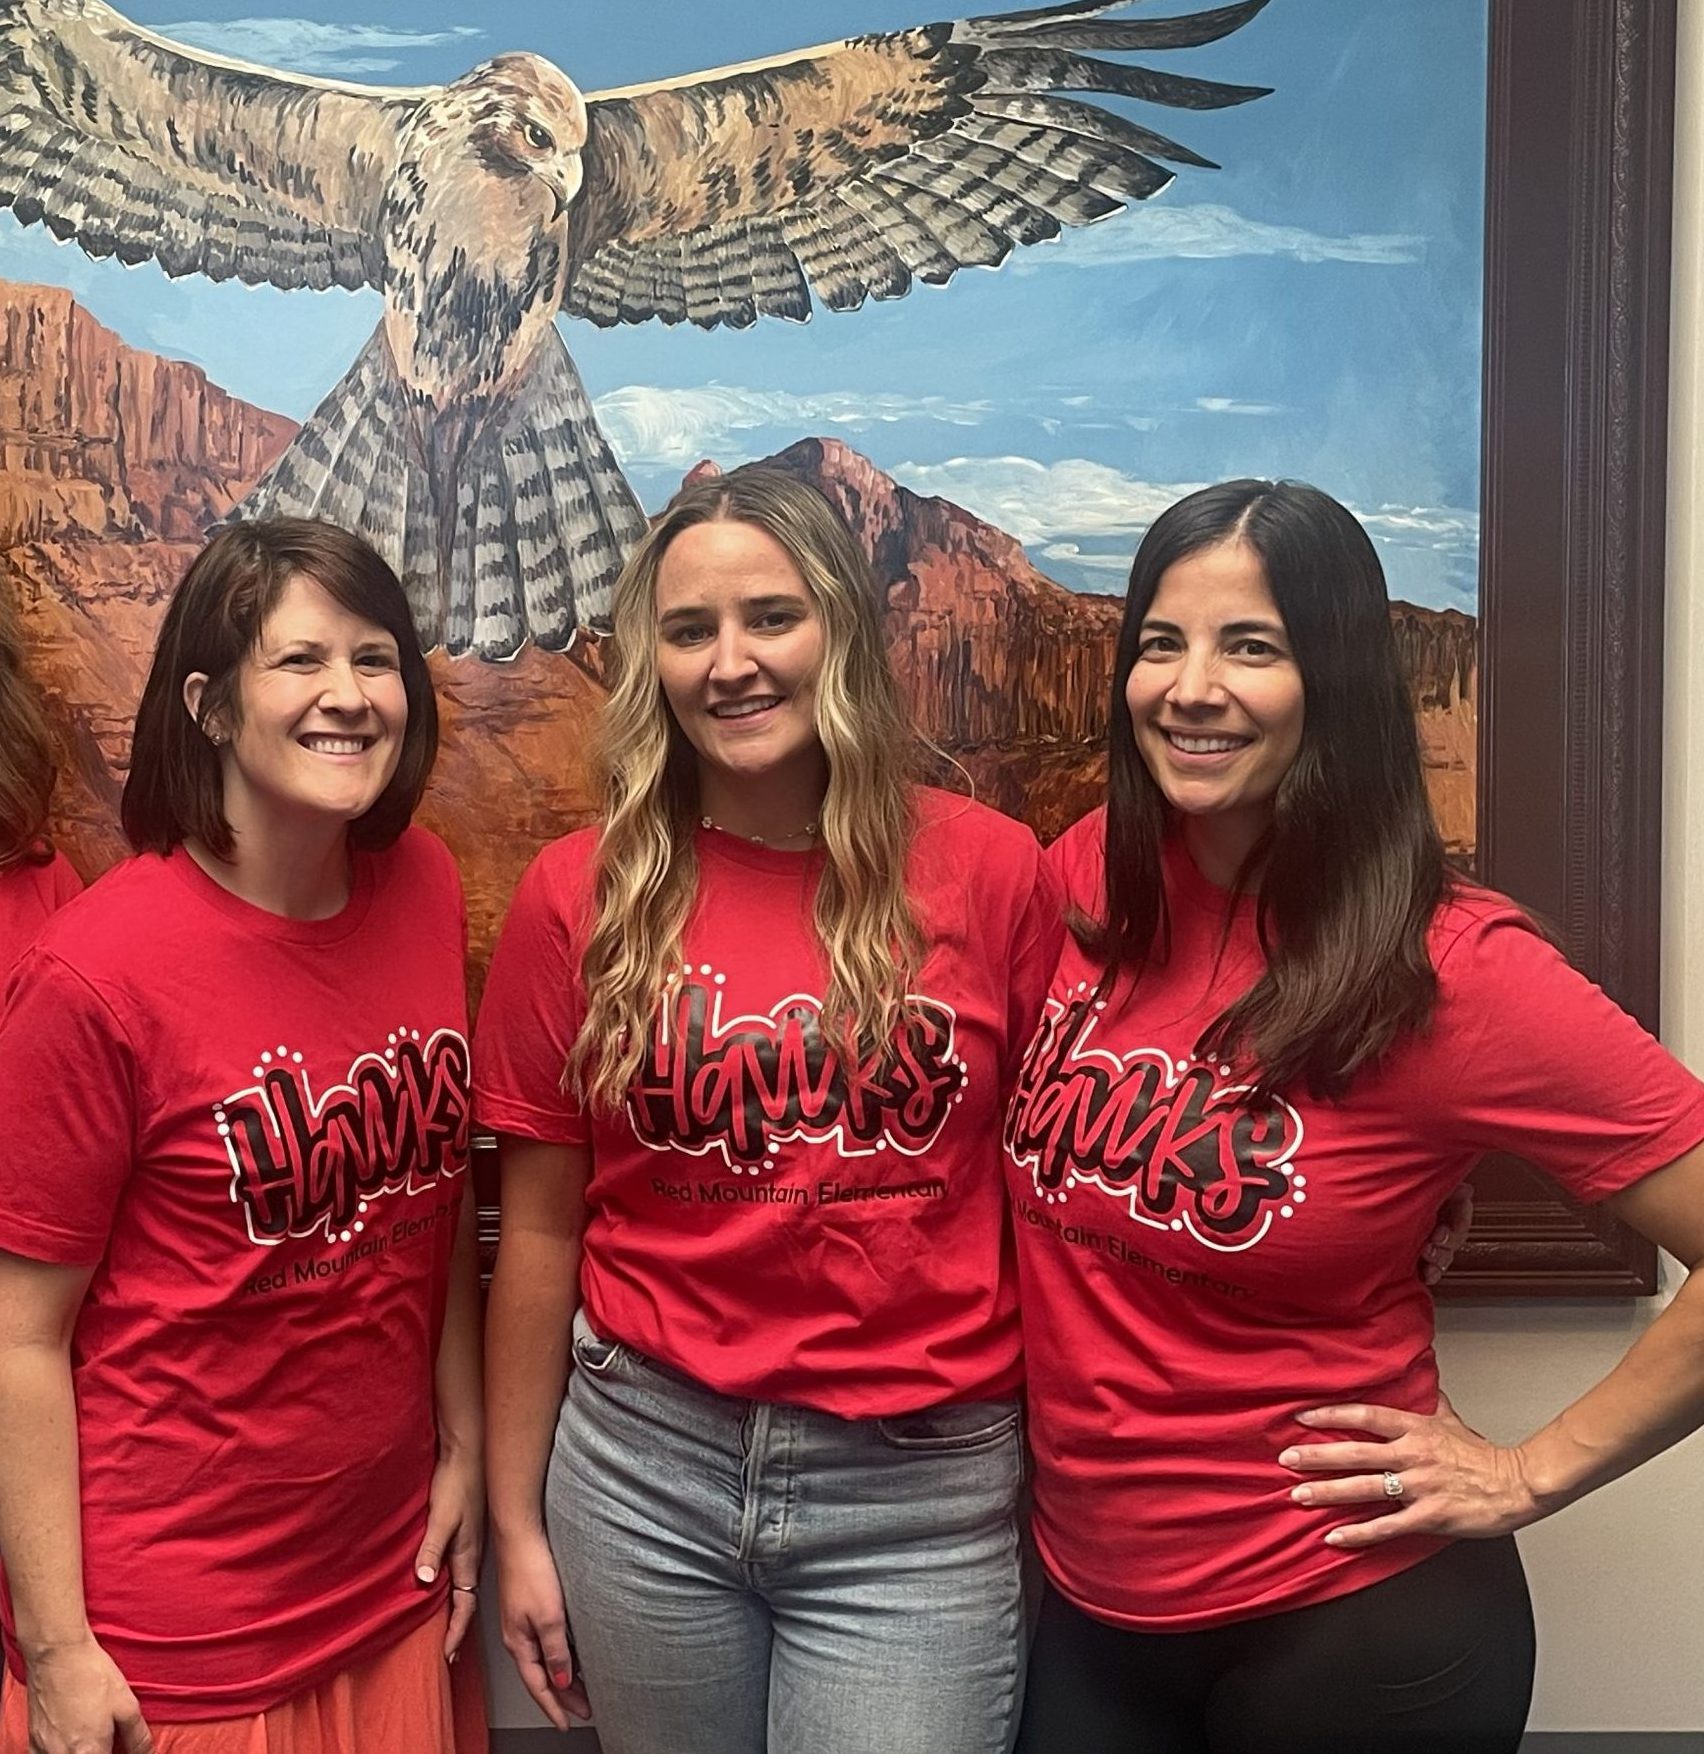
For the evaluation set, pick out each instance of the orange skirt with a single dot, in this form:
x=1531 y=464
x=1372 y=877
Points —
x=406 y=1700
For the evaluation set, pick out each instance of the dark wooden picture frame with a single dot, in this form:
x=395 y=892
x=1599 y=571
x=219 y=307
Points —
x=1579 y=150
x=1579 y=165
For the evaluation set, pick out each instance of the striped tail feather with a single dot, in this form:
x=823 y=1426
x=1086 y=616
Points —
x=543 y=521
x=355 y=463
x=572 y=519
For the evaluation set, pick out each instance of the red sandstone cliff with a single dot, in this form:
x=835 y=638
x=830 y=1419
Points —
x=100 y=439
x=112 y=463
x=1004 y=670
x=1440 y=652
x=990 y=650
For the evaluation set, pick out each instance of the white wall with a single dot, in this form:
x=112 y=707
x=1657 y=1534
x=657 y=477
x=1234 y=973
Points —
x=1619 y=1580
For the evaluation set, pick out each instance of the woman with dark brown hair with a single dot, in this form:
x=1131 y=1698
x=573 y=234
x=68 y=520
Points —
x=34 y=879
x=240 y=1438
x=1282 y=1033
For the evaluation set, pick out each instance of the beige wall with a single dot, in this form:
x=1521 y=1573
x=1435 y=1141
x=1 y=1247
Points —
x=1619 y=1580
x=1683 y=804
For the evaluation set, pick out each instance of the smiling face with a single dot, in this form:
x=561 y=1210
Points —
x=740 y=643
x=321 y=712
x=1215 y=697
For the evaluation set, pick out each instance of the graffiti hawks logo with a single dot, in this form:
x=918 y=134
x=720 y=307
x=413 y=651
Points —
x=301 y=1165
x=1163 y=1138
x=742 y=1086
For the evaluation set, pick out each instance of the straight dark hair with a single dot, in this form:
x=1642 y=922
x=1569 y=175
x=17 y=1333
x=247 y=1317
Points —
x=176 y=790
x=1352 y=869
x=26 y=754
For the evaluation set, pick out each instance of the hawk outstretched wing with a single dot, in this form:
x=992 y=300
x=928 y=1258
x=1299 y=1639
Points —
x=139 y=148
x=461 y=442
x=850 y=170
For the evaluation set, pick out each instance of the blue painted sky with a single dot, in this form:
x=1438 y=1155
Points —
x=1311 y=309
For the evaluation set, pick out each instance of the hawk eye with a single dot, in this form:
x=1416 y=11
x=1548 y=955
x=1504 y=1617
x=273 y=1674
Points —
x=539 y=137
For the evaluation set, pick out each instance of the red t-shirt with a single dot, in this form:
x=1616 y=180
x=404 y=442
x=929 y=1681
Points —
x=256 y=1129
x=757 y=1217
x=1195 y=1273
x=28 y=894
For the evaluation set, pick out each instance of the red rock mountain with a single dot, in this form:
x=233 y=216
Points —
x=1006 y=671
x=112 y=461
x=99 y=439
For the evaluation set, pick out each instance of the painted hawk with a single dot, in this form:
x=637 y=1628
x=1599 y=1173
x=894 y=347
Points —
x=460 y=442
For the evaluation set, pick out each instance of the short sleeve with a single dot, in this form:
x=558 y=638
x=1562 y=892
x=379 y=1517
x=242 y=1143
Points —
x=69 y=1114
x=1531 y=1058
x=529 y=1018
x=1036 y=944
x=1077 y=863
x=425 y=884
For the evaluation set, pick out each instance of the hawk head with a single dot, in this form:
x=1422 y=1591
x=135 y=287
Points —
x=520 y=116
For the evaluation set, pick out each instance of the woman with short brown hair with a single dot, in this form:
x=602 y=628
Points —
x=240 y=1440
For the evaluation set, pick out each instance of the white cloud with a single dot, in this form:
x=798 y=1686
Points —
x=1423 y=526
x=1154 y=230
x=1069 y=551
x=309 y=45
x=1230 y=405
x=1044 y=502
x=1087 y=515
x=675 y=427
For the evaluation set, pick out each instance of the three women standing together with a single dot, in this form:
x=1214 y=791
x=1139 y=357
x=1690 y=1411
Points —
x=755 y=1050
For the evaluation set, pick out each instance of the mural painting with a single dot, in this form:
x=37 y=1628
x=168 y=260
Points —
x=485 y=292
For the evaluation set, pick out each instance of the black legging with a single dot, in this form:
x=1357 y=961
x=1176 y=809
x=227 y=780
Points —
x=1436 y=1660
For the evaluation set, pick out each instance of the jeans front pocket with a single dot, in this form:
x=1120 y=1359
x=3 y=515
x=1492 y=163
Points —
x=958 y=1426
x=591 y=1351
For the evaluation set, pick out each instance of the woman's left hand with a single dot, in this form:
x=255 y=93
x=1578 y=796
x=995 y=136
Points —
x=1450 y=1480
x=455 y=1536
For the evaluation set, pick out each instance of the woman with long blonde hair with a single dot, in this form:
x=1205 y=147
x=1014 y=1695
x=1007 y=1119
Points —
x=746 y=1046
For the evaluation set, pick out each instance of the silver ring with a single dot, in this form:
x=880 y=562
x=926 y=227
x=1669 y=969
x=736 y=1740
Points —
x=1392 y=1484
x=465 y=1589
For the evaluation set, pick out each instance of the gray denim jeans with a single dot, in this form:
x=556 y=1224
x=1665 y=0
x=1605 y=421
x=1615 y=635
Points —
x=749 y=1578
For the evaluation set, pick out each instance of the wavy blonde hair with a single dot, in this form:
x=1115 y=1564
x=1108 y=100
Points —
x=646 y=874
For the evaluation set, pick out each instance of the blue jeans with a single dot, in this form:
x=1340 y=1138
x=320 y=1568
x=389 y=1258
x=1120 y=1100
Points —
x=749 y=1578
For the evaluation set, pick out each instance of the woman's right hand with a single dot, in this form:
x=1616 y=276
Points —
x=80 y=1704
x=535 y=1628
